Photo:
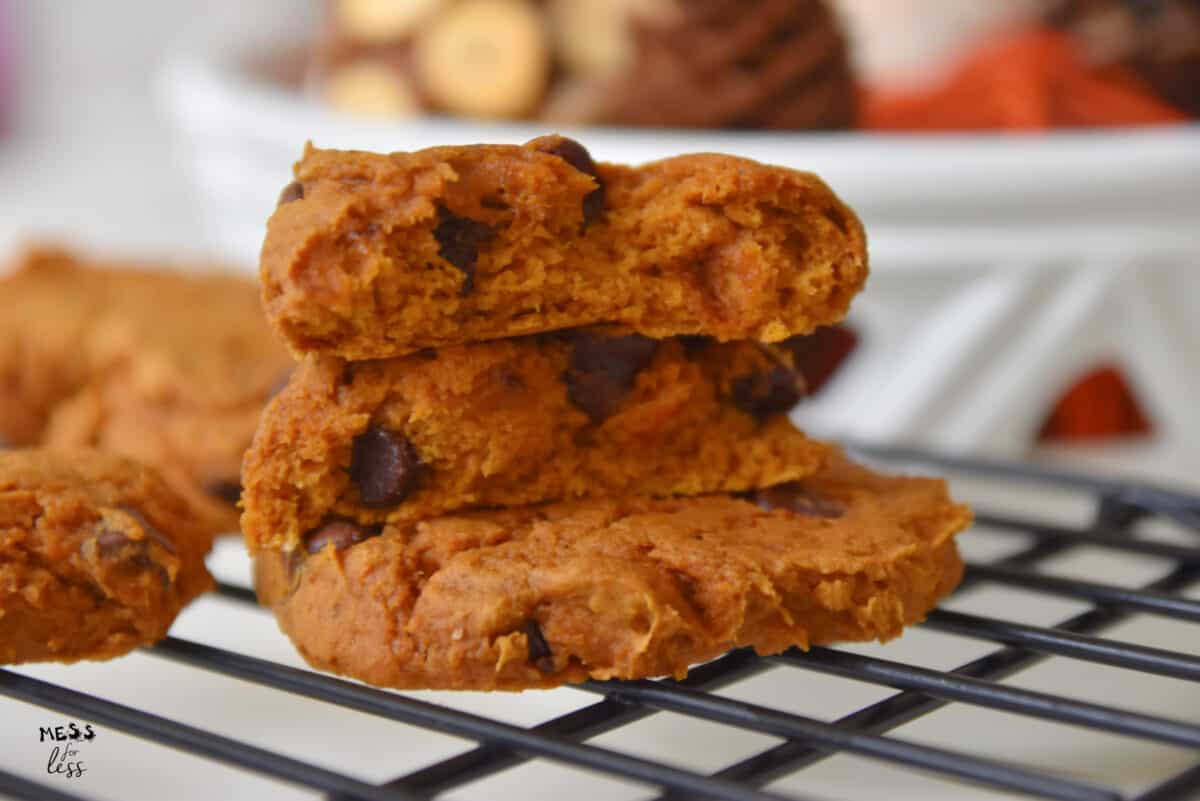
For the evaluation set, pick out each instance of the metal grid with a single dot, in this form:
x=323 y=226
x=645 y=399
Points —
x=805 y=741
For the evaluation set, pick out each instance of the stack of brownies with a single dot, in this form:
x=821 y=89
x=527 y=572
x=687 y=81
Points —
x=538 y=433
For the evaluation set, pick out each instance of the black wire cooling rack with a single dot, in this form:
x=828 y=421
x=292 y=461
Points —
x=1119 y=508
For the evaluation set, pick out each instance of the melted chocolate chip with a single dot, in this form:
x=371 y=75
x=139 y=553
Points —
x=774 y=391
x=694 y=345
x=540 y=655
x=819 y=354
x=385 y=466
x=578 y=157
x=110 y=543
x=151 y=532
x=459 y=240
x=341 y=534
x=603 y=369
x=512 y=381
x=116 y=545
x=293 y=191
x=226 y=490
x=797 y=499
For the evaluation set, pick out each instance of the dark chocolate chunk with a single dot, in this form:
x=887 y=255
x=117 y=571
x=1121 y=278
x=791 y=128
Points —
x=603 y=369
x=341 y=534
x=116 y=545
x=540 y=655
x=694 y=345
x=110 y=543
x=151 y=532
x=819 y=354
x=578 y=157
x=293 y=191
x=797 y=499
x=293 y=563
x=459 y=240
x=385 y=466
x=774 y=391
x=226 y=490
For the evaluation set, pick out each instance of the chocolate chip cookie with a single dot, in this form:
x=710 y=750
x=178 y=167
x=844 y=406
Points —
x=540 y=418
x=97 y=556
x=622 y=587
x=48 y=306
x=372 y=256
x=166 y=367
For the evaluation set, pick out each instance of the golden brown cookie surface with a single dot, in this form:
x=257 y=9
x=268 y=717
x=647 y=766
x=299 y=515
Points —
x=97 y=556
x=618 y=588
x=165 y=367
x=381 y=255
x=586 y=412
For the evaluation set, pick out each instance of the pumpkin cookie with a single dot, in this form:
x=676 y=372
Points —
x=97 y=556
x=162 y=366
x=372 y=256
x=625 y=588
x=512 y=422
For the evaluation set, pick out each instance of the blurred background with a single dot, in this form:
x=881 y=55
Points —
x=1027 y=169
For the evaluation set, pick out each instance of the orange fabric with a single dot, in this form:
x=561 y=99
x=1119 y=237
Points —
x=1031 y=80
x=1099 y=405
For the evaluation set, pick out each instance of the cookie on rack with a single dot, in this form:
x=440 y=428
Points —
x=512 y=422
x=371 y=255
x=166 y=367
x=48 y=304
x=618 y=588
x=97 y=556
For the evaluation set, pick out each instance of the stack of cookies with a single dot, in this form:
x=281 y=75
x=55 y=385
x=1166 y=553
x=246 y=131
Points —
x=539 y=433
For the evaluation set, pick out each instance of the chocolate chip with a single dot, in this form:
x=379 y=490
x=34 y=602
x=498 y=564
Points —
x=603 y=369
x=116 y=545
x=385 y=466
x=151 y=532
x=459 y=240
x=293 y=191
x=578 y=157
x=226 y=490
x=341 y=534
x=771 y=392
x=819 y=354
x=540 y=655
x=110 y=543
x=797 y=499
x=694 y=345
